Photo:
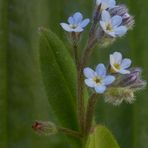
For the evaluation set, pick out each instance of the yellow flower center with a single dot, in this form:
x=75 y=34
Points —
x=109 y=27
x=73 y=26
x=117 y=66
x=97 y=79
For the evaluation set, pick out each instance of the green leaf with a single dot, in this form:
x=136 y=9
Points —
x=101 y=138
x=59 y=76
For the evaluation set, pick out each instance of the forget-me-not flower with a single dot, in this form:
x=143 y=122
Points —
x=105 y=4
x=76 y=23
x=112 y=25
x=119 y=65
x=98 y=79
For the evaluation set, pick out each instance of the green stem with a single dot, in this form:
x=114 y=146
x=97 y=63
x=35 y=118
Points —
x=87 y=52
x=69 y=132
x=96 y=18
x=75 y=50
x=90 y=112
x=81 y=107
x=75 y=40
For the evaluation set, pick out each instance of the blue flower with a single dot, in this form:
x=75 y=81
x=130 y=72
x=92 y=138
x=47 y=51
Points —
x=98 y=79
x=119 y=65
x=105 y=4
x=76 y=23
x=112 y=25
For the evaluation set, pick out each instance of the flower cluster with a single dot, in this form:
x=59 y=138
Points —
x=99 y=78
x=114 y=20
x=117 y=82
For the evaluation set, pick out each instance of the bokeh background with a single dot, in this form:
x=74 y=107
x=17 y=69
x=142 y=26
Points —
x=22 y=95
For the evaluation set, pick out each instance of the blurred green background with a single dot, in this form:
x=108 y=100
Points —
x=22 y=95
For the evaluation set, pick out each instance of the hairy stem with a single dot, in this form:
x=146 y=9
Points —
x=75 y=50
x=96 y=18
x=87 y=52
x=81 y=107
x=69 y=132
x=75 y=39
x=90 y=112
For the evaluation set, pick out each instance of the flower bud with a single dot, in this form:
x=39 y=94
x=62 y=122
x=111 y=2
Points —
x=116 y=95
x=122 y=11
x=44 y=128
x=132 y=80
x=128 y=21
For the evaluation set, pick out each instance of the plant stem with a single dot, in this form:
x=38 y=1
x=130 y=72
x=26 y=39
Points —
x=96 y=18
x=90 y=112
x=75 y=50
x=75 y=39
x=69 y=132
x=81 y=107
x=87 y=52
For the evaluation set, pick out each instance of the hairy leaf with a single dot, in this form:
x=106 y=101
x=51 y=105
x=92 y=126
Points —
x=59 y=76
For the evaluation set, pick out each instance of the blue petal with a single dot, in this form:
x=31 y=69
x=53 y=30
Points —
x=101 y=70
x=71 y=20
x=111 y=3
x=111 y=34
x=116 y=57
x=108 y=80
x=78 y=17
x=123 y=71
x=88 y=72
x=103 y=25
x=120 y=31
x=106 y=16
x=84 y=23
x=66 y=27
x=98 y=2
x=78 y=29
x=89 y=82
x=100 y=89
x=126 y=63
x=116 y=20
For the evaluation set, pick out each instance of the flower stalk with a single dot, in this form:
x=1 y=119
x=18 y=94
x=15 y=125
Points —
x=69 y=132
x=90 y=113
x=83 y=61
x=75 y=37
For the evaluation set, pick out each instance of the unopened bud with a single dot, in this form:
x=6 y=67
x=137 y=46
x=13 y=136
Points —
x=132 y=80
x=127 y=19
x=120 y=10
x=44 y=128
x=138 y=85
x=116 y=95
